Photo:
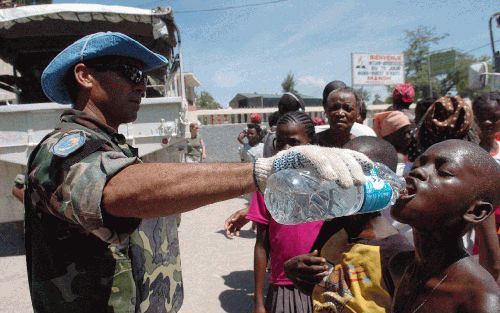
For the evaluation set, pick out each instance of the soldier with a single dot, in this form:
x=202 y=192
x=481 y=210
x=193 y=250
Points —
x=101 y=233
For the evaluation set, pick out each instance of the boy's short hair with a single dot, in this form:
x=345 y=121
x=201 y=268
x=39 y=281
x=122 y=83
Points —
x=487 y=168
x=377 y=149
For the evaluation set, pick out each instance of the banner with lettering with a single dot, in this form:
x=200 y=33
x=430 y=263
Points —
x=377 y=69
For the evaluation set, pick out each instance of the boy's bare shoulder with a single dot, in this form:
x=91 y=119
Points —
x=475 y=288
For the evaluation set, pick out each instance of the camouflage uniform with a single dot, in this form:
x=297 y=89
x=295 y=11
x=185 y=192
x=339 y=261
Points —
x=79 y=258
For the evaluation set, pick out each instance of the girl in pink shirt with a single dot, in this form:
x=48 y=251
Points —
x=282 y=242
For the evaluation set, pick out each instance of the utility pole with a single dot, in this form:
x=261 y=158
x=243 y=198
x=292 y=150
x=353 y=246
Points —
x=429 y=76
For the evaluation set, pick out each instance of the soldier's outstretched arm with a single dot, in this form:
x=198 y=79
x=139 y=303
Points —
x=152 y=190
x=158 y=189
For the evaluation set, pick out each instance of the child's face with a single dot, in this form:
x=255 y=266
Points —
x=441 y=185
x=290 y=135
x=253 y=136
x=400 y=139
x=488 y=119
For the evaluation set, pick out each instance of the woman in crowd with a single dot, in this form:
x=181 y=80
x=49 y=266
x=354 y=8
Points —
x=421 y=107
x=341 y=108
x=394 y=126
x=402 y=97
x=196 y=151
x=447 y=118
x=357 y=129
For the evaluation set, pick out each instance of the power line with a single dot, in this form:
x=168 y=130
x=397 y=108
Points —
x=486 y=45
x=231 y=7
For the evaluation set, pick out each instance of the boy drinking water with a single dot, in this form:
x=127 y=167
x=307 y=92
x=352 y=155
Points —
x=360 y=253
x=453 y=186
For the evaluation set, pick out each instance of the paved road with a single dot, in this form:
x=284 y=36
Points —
x=217 y=271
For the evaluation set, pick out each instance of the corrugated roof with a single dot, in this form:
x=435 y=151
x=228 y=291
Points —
x=81 y=12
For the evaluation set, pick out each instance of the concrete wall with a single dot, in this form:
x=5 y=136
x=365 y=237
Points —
x=221 y=143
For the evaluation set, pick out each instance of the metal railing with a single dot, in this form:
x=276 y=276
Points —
x=242 y=116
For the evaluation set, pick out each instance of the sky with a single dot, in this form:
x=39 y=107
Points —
x=251 y=49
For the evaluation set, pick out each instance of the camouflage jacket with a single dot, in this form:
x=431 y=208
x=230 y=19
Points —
x=79 y=258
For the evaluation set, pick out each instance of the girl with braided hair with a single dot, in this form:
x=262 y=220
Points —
x=281 y=242
x=289 y=102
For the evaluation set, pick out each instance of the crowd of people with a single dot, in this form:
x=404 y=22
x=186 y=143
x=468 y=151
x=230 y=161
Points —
x=101 y=229
x=344 y=265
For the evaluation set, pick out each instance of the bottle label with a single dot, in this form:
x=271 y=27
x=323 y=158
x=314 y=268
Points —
x=378 y=193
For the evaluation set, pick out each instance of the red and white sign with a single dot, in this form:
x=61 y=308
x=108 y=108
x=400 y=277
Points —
x=377 y=69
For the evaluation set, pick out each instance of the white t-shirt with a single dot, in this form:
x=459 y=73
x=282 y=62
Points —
x=249 y=153
x=357 y=130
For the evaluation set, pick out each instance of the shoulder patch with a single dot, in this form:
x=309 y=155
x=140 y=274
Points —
x=68 y=144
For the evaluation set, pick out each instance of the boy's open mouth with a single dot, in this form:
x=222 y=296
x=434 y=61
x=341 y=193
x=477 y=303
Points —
x=410 y=191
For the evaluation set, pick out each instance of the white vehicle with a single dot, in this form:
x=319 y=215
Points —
x=479 y=77
x=30 y=36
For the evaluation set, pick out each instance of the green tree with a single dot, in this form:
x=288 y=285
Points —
x=457 y=78
x=288 y=84
x=205 y=101
x=417 y=54
x=377 y=99
x=363 y=94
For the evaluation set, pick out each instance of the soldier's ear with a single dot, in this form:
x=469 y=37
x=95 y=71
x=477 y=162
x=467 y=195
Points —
x=83 y=75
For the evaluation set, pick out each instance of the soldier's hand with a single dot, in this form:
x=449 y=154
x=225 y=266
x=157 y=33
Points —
x=344 y=166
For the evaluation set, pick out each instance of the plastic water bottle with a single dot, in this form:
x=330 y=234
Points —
x=298 y=196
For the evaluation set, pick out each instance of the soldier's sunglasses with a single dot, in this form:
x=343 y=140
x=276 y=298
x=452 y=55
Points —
x=132 y=73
